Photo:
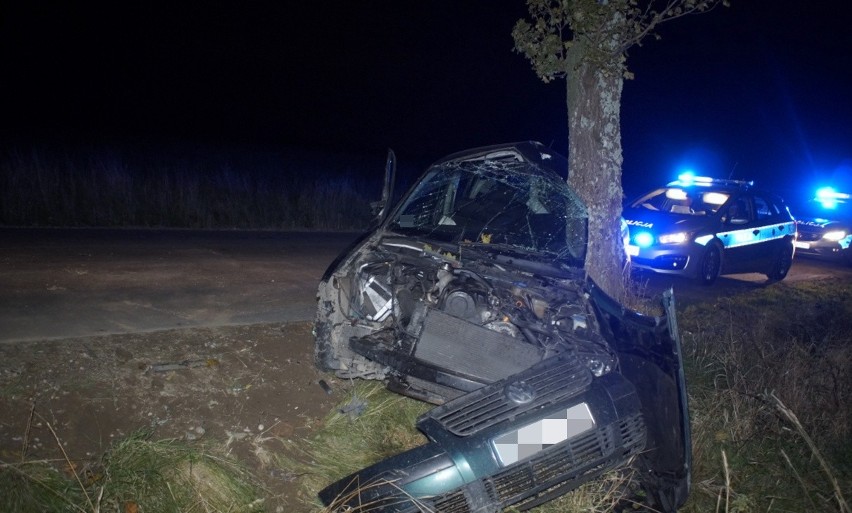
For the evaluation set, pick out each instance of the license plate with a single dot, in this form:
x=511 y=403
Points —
x=803 y=245
x=537 y=436
x=632 y=250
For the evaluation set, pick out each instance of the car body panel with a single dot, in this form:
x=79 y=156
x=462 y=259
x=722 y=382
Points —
x=471 y=295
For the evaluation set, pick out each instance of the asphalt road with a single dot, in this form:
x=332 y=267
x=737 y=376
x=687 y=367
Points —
x=68 y=283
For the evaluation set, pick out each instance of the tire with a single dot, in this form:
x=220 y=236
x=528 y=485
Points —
x=781 y=262
x=710 y=265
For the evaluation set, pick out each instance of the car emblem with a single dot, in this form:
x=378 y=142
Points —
x=519 y=392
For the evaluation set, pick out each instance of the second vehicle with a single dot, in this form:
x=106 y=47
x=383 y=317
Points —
x=703 y=227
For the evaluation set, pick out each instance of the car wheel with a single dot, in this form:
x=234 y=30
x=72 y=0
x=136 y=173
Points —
x=710 y=265
x=781 y=263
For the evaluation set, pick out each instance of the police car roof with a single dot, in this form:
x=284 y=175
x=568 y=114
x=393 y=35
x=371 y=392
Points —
x=715 y=183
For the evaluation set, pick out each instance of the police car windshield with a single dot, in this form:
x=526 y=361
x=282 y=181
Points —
x=691 y=201
x=829 y=210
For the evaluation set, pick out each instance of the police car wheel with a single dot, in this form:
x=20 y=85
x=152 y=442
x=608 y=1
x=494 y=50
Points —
x=781 y=263
x=710 y=265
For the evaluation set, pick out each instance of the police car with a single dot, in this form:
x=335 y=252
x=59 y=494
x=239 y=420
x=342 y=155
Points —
x=825 y=226
x=703 y=227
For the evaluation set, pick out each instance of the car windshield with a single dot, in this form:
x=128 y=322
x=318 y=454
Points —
x=825 y=210
x=693 y=201
x=498 y=202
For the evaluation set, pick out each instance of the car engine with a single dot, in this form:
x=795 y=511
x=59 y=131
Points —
x=475 y=320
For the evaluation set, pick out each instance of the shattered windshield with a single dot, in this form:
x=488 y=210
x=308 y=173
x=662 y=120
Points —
x=505 y=202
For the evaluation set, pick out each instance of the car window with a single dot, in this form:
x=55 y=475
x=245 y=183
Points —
x=764 y=208
x=683 y=200
x=740 y=211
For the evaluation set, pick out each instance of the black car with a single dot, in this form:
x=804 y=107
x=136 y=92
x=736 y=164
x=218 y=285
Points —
x=825 y=226
x=702 y=227
x=471 y=295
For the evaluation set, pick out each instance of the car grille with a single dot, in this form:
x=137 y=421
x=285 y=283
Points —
x=571 y=460
x=553 y=380
x=809 y=236
x=454 y=502
x=565 y=465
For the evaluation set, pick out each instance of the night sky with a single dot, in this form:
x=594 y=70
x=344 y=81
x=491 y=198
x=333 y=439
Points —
x=760 y=90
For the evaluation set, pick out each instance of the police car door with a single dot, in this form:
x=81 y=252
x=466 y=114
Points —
x=740 y=234
x=774 y=229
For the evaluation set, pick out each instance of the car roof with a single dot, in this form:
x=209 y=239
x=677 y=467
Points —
x=532 y=153
x=724 y=185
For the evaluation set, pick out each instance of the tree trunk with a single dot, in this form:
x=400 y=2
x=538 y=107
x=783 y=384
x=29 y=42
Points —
x=594 y=162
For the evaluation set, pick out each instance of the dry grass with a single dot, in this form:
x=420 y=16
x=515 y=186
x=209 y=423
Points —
x=137 y=474
x=746 y=357
x=368 y=426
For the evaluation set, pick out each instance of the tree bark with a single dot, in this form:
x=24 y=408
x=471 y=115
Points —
x=594 y=162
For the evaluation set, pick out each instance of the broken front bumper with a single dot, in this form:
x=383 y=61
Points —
x=522 y=440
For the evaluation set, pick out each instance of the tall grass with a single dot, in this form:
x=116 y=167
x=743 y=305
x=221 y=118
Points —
x=190 y=188
x=770 y=384
x=136 y=475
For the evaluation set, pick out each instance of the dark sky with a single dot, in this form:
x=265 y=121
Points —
x=759 y=90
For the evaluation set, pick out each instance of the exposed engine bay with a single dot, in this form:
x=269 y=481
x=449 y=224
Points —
x=474 y=321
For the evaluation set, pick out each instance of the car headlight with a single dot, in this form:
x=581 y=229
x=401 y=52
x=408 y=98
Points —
x=835 y=235
x=674 y=238
x=643 y=239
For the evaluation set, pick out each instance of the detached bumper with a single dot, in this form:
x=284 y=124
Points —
x=520 y=441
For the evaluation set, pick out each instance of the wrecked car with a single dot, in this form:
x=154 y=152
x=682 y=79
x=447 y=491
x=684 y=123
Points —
x=470 y=294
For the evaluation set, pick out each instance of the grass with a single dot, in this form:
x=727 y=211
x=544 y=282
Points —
x=368 y=426
x=770 y=388
x=136 y=475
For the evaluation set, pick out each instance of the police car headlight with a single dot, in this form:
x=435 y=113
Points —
x=674 y=238
x=835 y=235
x=643 y=239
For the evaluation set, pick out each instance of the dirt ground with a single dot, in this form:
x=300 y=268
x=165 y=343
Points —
x=243 y=387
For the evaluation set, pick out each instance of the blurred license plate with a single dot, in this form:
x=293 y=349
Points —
x=632 y=250
x=533 y=438
x=803 y=245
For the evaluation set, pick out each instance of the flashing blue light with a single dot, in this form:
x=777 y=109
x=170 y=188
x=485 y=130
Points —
x=829 y=198
x=687 y=176
x=643 y=239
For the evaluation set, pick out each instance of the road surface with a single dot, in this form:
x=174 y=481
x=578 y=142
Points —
x=66 y=283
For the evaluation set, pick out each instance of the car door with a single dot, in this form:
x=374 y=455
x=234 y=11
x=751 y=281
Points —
x=740 y=232
x=774 y=225
x=770 y=231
